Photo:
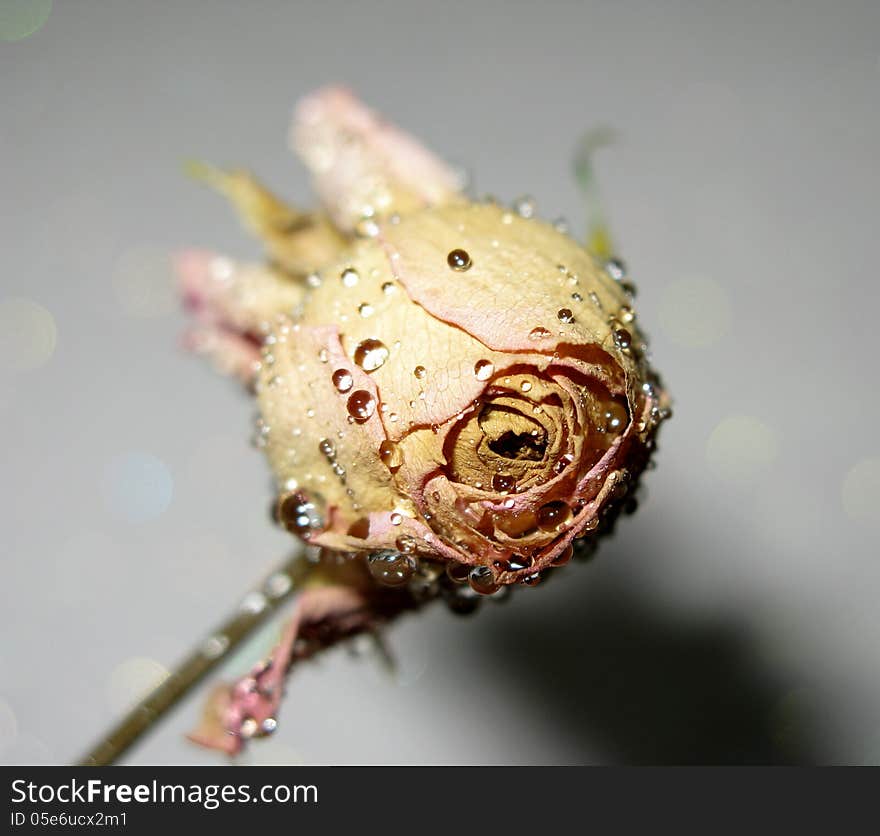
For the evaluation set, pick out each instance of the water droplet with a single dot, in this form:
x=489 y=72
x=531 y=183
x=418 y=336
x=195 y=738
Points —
x=361 y=405
x=539 y=334
x=626 y=314
x=565 y=315
x=503 y=483
x=525 y=206
x=457 y=572
x=616 y=417
x=391 y=455
x=254 y=603
x=622 y=338
x=484 y=369
x=395 y=518
x=323 y=355
x=365 y=309
x=513 y=564
x=326 y=447
x=564 y=557
x=459 y=260
x=269 y=725
x=482 y=580
x=391 y=568
x=313 y=280
x=553 y=515
x=248 y=727
x=420 y=372
x=366 y=227
x=298 y=515
x=615 y=268
x=215 y=646
x=350 y=277
x=388 y=288
x=342 y=380
x=278 y=585
x=370 y=354
x=406 y=544
x=526 y=386
x=577 y=297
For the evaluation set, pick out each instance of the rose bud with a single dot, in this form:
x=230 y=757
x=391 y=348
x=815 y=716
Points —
x=439 y=381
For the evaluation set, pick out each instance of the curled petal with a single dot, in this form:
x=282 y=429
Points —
x=363 y=167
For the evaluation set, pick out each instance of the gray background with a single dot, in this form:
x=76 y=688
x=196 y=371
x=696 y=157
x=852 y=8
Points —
x=733 y=618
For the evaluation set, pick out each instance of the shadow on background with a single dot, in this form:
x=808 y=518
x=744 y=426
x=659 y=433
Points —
x=646 y=686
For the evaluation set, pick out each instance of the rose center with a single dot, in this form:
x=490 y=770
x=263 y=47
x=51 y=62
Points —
x=511 y=435
x=518 y=446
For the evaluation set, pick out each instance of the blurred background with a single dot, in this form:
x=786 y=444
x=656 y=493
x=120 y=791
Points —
x=734 y=618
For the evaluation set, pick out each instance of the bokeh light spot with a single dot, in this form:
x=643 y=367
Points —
x=694 y=312
x=740 y=448
x=20 y=18
x=27 y=335
x=138 y=487
x=861 y=491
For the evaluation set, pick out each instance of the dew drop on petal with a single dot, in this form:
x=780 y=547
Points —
x=361 y=405
x=298 y=515
x=553 y=515
x=370 y=354
x=390 y=454
x=420 y=372
x=564 y=557
x=615 y=417
x=350 y=277
x=406 y=544
x=365 y=309
x=503 y=483
x=459 y=260
x=391 y=568
x=483 y=369
x=525 y=206
x=565 y=315
x=342 y=380
x=615 y=268
x=482 y=580
x=539 y=334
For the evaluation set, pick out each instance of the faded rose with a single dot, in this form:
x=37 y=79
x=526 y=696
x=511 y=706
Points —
x=439 y=382
x=466 y=385
x=437 y=378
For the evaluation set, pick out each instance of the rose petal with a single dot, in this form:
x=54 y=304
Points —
x=315 y=439
x=364 y=167
x=517 y=292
